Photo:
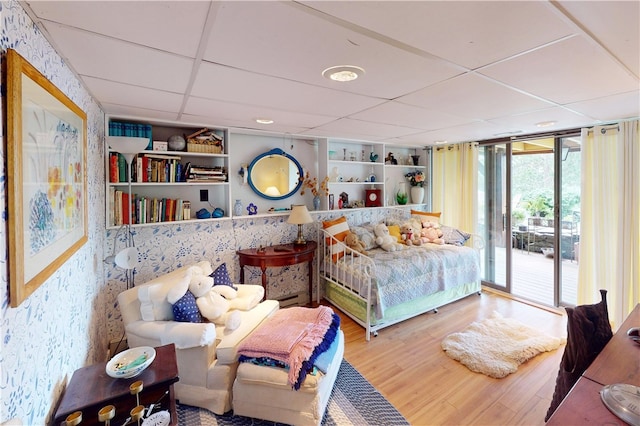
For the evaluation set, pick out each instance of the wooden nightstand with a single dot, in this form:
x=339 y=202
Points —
x=90 y=389
x=280 y=255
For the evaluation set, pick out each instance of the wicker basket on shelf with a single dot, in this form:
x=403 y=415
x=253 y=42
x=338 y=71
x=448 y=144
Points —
x=205 y=141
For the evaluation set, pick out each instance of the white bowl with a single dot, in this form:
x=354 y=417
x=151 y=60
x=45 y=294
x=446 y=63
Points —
x=131 y=362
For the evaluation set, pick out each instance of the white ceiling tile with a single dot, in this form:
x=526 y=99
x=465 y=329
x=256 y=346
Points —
x=410 y=116
x=464 y=133
x=615 y=24
x=116 y=60
x=346 y=127
x=563 y=119
x=261 y=38
x=247 y=114
x=229 y=84
x=469 y=33
x=241 y=125
x=126 y=110
x=625 y=105
x=569 y=71
x=134 y=55
x=139 y=97
x=166 y=25
x=475 y=97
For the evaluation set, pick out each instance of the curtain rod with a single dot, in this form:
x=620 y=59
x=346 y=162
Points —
x=605 y=129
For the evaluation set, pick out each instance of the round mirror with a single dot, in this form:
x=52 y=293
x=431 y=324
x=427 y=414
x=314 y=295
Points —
x=275 y=175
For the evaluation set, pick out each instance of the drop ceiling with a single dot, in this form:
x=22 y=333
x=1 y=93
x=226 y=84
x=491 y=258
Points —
x=434 y=70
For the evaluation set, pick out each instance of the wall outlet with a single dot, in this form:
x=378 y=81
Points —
x=204 y=195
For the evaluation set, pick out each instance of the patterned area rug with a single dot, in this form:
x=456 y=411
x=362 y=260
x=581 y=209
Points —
x=353 y=401
x=496 y=346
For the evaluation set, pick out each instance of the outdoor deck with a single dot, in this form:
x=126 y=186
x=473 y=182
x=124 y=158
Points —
x=533 y=277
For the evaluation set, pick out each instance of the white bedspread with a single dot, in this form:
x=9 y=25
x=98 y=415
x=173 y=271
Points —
x=417 y=271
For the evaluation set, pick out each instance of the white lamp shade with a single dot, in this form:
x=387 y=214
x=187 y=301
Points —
x=127 y=146
x=127 y=258
x=299 y=215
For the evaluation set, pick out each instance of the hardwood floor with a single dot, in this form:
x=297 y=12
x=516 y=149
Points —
x=407 y=365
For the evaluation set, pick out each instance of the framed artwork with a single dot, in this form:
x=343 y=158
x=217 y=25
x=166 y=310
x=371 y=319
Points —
x=331 y=202
x=47 y=185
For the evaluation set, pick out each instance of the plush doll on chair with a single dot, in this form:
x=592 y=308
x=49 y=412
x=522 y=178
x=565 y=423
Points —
x=215 y=303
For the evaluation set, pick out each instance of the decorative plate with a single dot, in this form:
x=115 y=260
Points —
x=131 y=362
x=623 y=400
x=161 y=418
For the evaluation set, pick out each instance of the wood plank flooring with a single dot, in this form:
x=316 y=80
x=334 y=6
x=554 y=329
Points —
x=407 y=365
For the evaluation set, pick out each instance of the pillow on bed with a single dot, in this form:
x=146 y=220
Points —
x=338 y=229
x=454 y=236
x=424 y=216
x=366 y=236
x=394 y=231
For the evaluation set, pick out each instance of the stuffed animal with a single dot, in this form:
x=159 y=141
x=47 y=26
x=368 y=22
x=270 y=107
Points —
x=353 y=242
x=212 y=303
x=384 y=240
x=431 y=233
x=410 y=236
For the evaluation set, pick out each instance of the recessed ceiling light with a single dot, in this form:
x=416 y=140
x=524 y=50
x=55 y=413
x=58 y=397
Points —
x=440 y=142
x=545 y=124
x=343 y=73
x=264 y=121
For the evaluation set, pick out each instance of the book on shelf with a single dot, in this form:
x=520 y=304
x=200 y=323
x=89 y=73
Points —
x=146 y=209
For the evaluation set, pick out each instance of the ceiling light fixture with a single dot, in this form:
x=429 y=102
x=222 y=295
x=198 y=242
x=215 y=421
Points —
x=545 y=124
x=343 y=73
x=264 y=121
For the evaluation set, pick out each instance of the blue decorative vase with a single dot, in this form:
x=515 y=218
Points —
x=237 y=208
x=316 y=202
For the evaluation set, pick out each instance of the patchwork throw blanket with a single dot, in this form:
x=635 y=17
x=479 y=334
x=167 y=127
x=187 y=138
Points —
x=293 y=336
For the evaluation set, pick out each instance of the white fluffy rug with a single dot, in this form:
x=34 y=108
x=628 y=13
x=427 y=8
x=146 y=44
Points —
x=496 y=346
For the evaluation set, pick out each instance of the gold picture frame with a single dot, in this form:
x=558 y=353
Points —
x=47 y=180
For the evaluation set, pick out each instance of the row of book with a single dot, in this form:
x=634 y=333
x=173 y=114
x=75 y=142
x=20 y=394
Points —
x=162 y=168
x=138 y=130
x=146 y=209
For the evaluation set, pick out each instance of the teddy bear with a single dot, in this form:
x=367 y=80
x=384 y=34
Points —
x=384 y=240
x=431 y=233
x=410 y=236
x=353 y=242
x=214 y=302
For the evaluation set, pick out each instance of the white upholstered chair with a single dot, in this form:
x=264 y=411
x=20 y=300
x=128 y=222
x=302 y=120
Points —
x=206 y=355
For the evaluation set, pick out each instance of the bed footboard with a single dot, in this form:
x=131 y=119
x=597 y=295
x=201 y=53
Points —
x=349 y=270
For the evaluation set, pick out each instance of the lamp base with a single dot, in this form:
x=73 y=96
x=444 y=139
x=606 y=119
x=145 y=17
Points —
x=300 y=239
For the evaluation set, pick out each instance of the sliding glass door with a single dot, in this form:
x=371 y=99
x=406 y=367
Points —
x=529 y=217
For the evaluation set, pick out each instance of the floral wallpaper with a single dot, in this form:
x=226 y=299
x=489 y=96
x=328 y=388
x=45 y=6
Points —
x=58 y=328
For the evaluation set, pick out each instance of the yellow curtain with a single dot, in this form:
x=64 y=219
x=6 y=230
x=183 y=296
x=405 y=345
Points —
x=610 y=218
x=455 y=185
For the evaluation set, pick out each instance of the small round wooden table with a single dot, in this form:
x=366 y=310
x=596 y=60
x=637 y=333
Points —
x=280 y=255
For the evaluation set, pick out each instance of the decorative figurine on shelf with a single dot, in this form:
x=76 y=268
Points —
x=390 y=159
x=344 y=197
x=252 y=209
x=373 y=157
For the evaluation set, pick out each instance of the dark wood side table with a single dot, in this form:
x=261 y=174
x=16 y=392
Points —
x=91 y=389
x=280 y=255
x=619 y=362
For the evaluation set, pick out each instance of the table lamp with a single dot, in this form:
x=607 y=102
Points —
x=128 y=147
x=299 y=216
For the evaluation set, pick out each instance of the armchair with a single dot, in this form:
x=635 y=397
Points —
x=206 y=355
